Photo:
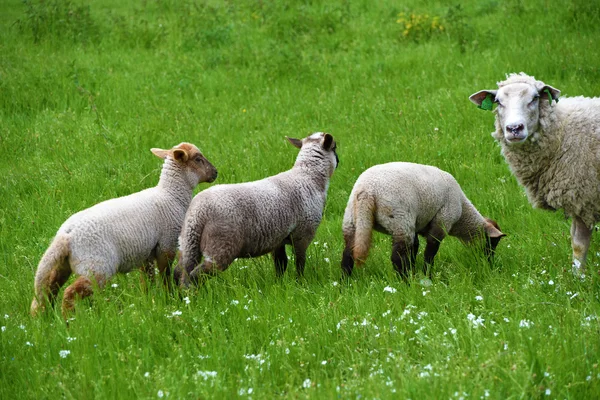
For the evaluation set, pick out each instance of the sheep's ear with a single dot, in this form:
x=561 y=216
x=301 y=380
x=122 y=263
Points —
x=549 y=93
x=180 y=155
x=479 y=97
x=327 y=142
x=493 y=231
x=160 y=153
x=296 y=142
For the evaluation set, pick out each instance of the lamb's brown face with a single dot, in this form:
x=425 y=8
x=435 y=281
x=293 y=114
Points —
x=197 y=164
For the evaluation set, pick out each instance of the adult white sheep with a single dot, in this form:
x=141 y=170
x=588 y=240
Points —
x=405 y=200
x=552 y=149
x=250 y=219
x=120 y=234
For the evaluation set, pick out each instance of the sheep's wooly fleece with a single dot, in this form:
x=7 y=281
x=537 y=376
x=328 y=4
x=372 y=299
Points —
x=254 y=218
x=129 y=232
x=553 y=149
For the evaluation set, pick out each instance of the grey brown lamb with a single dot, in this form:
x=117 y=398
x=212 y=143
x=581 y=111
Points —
x=250 y=219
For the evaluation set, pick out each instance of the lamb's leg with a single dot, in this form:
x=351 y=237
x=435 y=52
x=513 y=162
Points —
x=402 y=249
x=300 y=247
x=81 y=288
x=164 y=260
x=580 y=242
x=280 y=260
x=49 y=287
x=434 y=238
x=347 y=259
x=415 y=250
x=209 y=268
x=146 y=275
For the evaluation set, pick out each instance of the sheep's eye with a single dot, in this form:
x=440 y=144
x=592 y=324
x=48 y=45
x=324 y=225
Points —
x=198 y=158
x=498 y=102
x=532 y=102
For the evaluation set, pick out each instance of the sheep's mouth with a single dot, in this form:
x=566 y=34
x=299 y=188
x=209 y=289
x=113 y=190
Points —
x=515 y=139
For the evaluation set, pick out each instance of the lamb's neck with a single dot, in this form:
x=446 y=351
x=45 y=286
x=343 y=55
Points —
x=470 y=224
x=316 y=168
x=172 y=181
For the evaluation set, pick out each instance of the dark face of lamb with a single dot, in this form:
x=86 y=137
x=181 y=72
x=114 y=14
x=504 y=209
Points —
x=493 y=234
x=518 y=108
x=323 y=145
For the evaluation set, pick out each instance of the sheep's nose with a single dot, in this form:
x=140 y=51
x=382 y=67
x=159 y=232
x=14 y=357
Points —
x=514 y=129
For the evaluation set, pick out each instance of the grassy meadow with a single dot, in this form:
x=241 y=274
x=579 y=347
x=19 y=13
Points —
x=88 y=87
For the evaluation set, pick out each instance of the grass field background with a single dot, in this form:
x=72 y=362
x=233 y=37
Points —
x=87 y=88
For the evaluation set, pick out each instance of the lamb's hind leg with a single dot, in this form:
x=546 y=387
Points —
x=580 y=242
x=82 y=287
x=347 y=259
x=48 y=286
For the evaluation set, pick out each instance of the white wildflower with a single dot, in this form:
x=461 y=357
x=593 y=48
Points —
x=235 y=302
x=147 y=375
x=64 y=353
x=114 y=285
x=548 y=392
x=524 y=323
x=207 y=374
x=160 y=394
x=334 y=283
x=306 y=384
x=479 y=298
x=187 y=300
x=389 y=289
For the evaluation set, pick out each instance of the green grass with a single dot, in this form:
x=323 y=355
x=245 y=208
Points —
x=87 y=88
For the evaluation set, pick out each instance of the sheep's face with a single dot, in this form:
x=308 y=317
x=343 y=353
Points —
x=518 y=106
x=196 y=167
x=518 y=111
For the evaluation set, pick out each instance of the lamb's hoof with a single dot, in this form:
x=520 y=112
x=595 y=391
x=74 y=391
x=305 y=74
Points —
x=577 y=270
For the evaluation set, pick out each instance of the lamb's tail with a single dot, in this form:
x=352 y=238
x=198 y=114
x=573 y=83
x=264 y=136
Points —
x=52 y=272
x=364 y=213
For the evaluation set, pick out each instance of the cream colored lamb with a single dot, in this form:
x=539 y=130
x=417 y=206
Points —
x=405 y=200
x=121 y=234
x=553 y=149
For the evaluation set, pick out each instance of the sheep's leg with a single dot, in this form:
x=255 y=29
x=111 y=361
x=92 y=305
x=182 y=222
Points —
x=401 y=255
x=209 y=268
x=146 y=275
x=280 y=259
x=164 y=262
x=300 y=247
x=81 y=288
x=415 y=250
x=49 y=286
x=434 y=238
x=580 y=242
x=347 y=259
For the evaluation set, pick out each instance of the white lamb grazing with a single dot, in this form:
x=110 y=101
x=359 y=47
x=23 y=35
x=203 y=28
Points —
x=250 y=219
x=405 y=200
x=120 y=234
x=552 y=149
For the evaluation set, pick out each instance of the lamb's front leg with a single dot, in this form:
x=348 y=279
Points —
x=580 y=241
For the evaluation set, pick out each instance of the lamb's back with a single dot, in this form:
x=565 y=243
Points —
x=409 y=191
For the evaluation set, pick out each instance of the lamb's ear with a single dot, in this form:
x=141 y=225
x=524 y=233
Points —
x=492 y=231
x=180 y=155
x=160 y=153
x=296 y=142
x=327 y=141
x=479 y=97
x=549 y=93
